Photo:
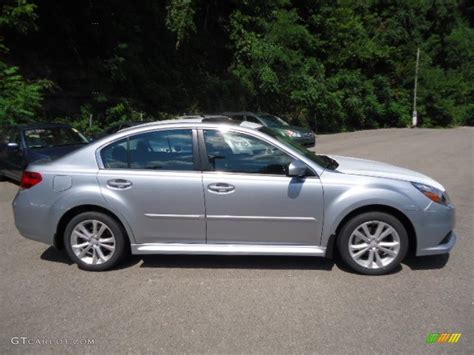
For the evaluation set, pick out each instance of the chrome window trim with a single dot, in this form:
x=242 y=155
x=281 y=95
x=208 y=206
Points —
x=129 y=132
x=258 y=175
x=145 y=172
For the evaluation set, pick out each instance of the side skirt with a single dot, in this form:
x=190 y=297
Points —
x=227 y=249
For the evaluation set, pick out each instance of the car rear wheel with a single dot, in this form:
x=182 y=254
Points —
x=95 y=241
x=373 y=243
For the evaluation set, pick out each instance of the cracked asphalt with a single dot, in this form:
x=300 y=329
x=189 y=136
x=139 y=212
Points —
x=214 y=304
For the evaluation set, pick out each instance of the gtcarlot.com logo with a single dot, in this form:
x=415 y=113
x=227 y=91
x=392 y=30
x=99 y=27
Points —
x=440 y=338
x=51 y=341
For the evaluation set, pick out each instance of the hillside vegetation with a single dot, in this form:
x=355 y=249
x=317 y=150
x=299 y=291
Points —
x=342 y=65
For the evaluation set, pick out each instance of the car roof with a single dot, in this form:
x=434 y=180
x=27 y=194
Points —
x=197 y=120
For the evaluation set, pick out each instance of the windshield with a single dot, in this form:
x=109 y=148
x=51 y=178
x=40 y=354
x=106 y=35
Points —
x=322 y=160
x=272 y=121
x=53 y=137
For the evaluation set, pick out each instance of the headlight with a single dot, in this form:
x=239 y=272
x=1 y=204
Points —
x=432 y=193
x=291 y=133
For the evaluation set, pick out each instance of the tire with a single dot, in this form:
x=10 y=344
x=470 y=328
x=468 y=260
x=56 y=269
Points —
x=360 y=250
x=109 y=237
x=2 y=177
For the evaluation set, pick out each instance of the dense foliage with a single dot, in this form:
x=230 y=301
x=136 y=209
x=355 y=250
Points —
x=343 y=65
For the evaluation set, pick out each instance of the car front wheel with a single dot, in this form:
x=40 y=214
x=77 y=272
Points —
x=373 y=243
x=95 y=241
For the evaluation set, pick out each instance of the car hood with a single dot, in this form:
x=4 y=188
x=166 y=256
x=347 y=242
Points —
x=295 y=129
x=355 y=166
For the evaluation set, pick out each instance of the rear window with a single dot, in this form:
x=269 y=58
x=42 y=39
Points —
x=272 y=121
x=53 y=137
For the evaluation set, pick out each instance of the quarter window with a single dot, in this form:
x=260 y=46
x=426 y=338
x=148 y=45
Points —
x=159 y=150
x=240 y=153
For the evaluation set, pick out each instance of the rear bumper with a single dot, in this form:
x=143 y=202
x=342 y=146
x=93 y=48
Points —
x=31 y=219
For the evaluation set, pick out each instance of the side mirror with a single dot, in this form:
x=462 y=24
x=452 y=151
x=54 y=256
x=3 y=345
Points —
x=13 y=146
x=297 y=169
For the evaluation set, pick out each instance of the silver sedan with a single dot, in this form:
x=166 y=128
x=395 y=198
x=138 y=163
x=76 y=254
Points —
x=198 y=186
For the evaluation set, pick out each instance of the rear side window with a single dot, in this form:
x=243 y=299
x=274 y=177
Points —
x=8 y=135
x=53 y=137
x=159 y=150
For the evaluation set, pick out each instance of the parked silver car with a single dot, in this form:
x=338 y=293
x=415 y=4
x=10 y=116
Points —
x=179 y=187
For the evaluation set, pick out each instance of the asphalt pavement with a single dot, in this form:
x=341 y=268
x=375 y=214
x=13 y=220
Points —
x=214 y=304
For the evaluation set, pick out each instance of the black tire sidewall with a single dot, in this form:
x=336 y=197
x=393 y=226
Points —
x=346 y=231
x=116 y=229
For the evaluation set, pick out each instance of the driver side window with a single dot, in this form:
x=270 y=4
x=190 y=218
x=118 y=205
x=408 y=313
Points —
x=240 y=153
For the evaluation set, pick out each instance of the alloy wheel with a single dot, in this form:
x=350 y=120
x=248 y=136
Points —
x=374 y=244
x=93 y=242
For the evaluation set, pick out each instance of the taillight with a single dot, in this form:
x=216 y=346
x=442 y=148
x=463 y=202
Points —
x=30 y=179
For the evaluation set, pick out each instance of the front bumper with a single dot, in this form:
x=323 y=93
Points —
x=434 y=226
x=444 y=247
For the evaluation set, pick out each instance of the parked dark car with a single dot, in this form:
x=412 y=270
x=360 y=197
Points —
x=118 y=127
x=207 y=118
x=301 y=135
x=21 y=145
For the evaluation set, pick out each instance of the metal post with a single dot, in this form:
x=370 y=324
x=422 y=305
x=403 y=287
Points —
x=90 y=121
x=415 y=115
x=141 y=116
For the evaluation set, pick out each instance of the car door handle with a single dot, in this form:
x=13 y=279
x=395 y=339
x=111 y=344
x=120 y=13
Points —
x=119 y=184
x=221 y=187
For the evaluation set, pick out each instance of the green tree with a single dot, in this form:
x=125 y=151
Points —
x=20 y=99
x=345 y=65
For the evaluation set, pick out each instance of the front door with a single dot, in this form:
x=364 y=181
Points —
x=152 y=179
x=249 y=198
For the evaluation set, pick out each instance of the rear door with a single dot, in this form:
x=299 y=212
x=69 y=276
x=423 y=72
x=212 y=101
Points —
x=249 y=198
x=154 y=180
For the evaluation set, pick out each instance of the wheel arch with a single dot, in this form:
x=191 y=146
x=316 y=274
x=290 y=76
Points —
x=71 y=213
x=331 y=246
